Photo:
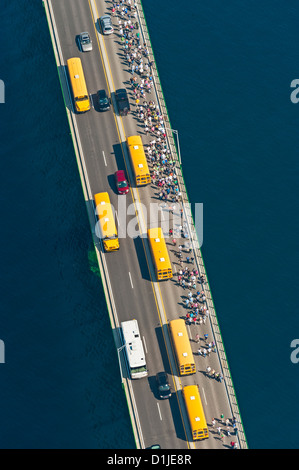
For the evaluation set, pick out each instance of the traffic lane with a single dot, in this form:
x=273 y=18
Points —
x=119 y=69
x=160 y=420
x=96 y=130
x=89 y=136
x=213 y=393
x=169 y=409
x=92 y=133
x=154 y=346
x=72 y=17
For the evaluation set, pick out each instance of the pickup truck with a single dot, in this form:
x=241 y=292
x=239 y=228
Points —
x=122 y=100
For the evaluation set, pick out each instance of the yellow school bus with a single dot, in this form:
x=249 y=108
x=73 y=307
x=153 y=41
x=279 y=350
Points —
x=78 y=84
x=138 y=160
x=108 y=231
x=195 y=412
x=159 y=253
x=182 y=347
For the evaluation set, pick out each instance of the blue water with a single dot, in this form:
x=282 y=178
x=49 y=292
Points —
x=226 y=69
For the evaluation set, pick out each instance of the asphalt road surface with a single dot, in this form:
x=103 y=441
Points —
x=101 y=139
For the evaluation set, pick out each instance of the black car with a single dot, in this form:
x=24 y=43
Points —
x=122 y=100
x=163 y=385
x=103 y=100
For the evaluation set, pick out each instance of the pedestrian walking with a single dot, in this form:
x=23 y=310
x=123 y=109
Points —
x=197 y=338
x=213 y=422
x=206 y=336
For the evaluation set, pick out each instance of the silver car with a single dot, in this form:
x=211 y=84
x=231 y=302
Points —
x=106 y=24
x=85 y=42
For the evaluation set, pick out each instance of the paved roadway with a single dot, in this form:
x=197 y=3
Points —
x=133 y=293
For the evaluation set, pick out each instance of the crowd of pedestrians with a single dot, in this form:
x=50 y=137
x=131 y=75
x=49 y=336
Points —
x=230 y=428
x=147 y=111
x=163 y=172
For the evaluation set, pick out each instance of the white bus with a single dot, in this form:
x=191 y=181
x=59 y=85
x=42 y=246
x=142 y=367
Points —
x=134 y=349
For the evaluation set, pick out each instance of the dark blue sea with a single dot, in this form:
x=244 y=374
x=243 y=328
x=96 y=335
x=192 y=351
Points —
x=226 y=70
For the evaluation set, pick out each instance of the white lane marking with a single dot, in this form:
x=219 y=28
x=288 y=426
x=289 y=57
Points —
x=162 y=214
x=144 y=344
x=104 y=157
x=90 y=96
x=203 y=391
x=131 y=280
x=159 y=411
x=117 y=218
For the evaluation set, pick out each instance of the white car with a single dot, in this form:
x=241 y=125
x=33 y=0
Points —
x=85 y=42
x=106 y=24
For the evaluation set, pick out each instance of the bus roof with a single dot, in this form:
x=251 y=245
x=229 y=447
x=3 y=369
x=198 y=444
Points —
x=77 y=76
x=159 y=248
x=105 y=215
x=181 y=342
x=194 y=407
x=78 y=83
x=133 y=342
x=137 y=155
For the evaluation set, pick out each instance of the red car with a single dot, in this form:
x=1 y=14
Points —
x=121 y=182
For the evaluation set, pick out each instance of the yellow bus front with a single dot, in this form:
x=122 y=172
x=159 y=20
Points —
x=111 y=244
x=82 y=104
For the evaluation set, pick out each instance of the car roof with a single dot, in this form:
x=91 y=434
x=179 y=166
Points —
x=106 y=17
x=102 y=93
x=120 y=173
x=162 y=376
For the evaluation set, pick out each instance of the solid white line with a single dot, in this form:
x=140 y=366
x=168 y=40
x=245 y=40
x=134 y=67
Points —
x=117 y=218
x=159 y=411
x=90 y=96
x=131 y=280
x=104 y=157
x=161 y=210
x=203 y=391
x=144 y=344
